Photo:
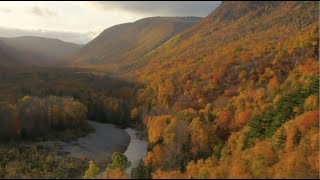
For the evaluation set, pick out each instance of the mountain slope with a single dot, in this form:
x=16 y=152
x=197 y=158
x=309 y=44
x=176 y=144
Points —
x=236 y=95
x=125 y=43
x=30 y=50
x=235 y=25
x=4 y=58
x=248 y=35
x=7 y=58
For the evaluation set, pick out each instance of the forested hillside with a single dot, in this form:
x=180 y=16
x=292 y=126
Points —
x=236 y=95
x=118 y=47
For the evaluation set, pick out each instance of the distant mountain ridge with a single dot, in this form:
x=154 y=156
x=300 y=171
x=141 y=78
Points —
x=5 y=59
x=125 y=43
x=31 y=50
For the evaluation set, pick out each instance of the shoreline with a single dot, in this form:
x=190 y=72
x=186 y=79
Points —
x=97 y=146
x=136 y=150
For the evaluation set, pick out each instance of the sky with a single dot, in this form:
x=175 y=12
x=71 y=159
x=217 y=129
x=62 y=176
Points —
x=81 y=21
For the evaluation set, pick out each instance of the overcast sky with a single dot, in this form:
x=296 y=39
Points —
x=81 y=21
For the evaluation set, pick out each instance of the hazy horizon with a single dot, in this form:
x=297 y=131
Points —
x=60 y=20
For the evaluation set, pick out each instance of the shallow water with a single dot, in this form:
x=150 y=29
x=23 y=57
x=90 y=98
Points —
x=136 y=150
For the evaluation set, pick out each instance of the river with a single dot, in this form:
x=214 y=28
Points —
x=101 y=144
x=136 y=150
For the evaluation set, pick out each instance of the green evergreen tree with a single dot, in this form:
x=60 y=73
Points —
x=119 y=161
x=296 y=137
x=279 y=138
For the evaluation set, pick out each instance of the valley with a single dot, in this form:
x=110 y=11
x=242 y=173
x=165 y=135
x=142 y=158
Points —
x=234 y=94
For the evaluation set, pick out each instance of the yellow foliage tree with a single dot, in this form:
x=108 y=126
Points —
x=168 y=175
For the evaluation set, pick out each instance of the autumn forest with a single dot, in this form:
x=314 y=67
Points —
x=234 y=94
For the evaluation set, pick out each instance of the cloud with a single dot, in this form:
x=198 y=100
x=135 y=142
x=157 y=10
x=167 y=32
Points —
x=69 y=36
x=159 y=8
x=5 y=10
x=35 y=10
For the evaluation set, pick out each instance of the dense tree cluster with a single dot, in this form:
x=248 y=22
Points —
x=34 y=116
x=107 y=98
x=255 y=132
x=29 y=162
